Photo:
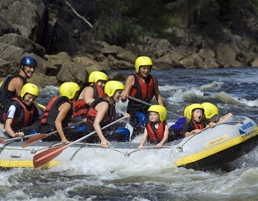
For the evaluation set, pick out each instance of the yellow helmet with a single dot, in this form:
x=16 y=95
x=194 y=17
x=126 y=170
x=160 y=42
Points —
x=142 y=61
x=112 y=86
x=161 y=110
x=95 y=76
x=193 y=107
x=69 y=89
x=210 y=110
x=31 y=89
x=187 y=112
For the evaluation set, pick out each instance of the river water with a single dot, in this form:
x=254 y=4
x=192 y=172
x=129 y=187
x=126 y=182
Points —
x=153 y=178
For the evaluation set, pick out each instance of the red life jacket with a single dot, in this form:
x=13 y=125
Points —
x=198 y=125
x=92 y=112
x=51 y=111
x=143 y=90
x=80 y=107
x=22 y=117
x=98 y=91
x=155 y=135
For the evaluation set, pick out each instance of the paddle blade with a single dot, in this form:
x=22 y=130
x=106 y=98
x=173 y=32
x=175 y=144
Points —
x=34 y=139
x=2 y=140
x=46 y=156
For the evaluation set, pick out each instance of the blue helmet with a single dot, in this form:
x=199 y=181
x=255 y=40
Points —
x=29 y=61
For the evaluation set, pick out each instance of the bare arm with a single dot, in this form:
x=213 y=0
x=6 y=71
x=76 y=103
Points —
x=102 y=109
x=9 y=121
x=9 y=129
x=128 y=87
x=143 y=139
x=157 y=92
x=195 y=131
x=63 y=111
x=87 y=95
x=16 y=85
x=224 y=118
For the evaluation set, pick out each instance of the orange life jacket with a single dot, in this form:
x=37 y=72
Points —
x=143 y=90
x=155 y=135
x=198 y=125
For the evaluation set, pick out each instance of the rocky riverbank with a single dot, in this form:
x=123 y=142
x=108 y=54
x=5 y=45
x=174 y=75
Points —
x=27 y=29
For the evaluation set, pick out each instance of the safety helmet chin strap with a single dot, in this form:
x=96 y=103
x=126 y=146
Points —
x=22 y=68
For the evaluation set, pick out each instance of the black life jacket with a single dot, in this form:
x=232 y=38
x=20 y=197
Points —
x=92 y=112
x=51 y=111
x=155 y=135
x=5 y=94
x=23 y=115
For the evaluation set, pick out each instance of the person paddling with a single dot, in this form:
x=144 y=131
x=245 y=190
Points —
x=102 y=111
x=21 y=112
x=59 y=111
x=12 y=85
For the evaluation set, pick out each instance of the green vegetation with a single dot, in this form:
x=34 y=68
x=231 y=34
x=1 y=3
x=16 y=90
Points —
x=122 y=21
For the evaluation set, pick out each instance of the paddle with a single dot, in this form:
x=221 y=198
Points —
x=16 y=138
x=148 y=104
x=41 y=136
x=48 y=155
x=40 y=105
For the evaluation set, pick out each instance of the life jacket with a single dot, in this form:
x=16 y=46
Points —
x=80 y=107
x=198 y=125
x=143 y=91
x=155 y=135
x=92 y=112
x=51 y=111
x=5 y=94
x=98 y=91
x=23 y=114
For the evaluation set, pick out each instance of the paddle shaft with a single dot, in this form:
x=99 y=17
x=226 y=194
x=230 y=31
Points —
x=38 y=137
x=17 y=138
x=46 y=156
x=92 y=133
x=148 y=104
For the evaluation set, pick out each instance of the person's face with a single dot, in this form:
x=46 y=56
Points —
x=197 y=115
x=29 y=71
x=117 y=95
x=29 y=99
x=144 y=71
x=153 y=116
x=101 y=83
